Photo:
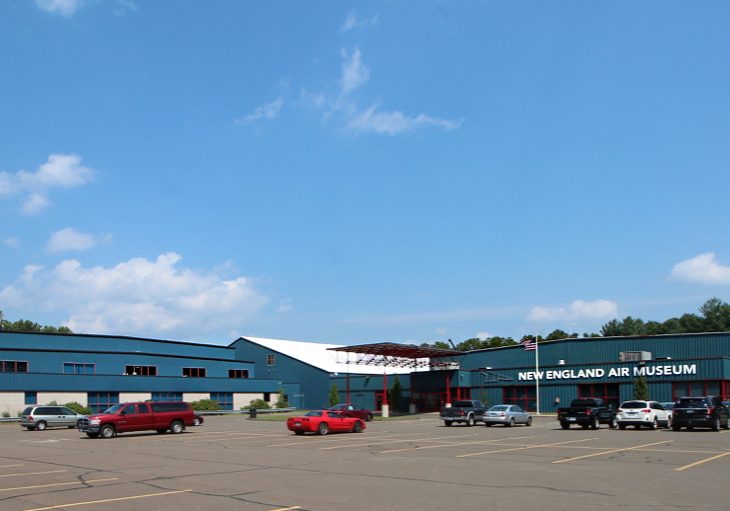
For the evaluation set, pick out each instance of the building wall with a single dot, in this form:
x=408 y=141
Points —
x=312 y=383
x=12 y=403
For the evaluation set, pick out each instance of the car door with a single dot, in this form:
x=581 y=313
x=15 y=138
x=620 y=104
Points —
x=338 y=422
x=56 y=417
x=660 y=413
x=520 y=414
x=67 y=417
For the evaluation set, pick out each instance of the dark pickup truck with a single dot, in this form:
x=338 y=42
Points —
x=588 y=413
x=468 y=411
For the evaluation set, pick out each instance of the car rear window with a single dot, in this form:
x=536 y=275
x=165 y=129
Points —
x=463 y=404
x=498 y=408
x=634 y=404
x=169 y=407
x=691 y=403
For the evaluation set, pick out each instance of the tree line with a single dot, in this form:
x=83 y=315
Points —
x=24 y=325
x=714 y=316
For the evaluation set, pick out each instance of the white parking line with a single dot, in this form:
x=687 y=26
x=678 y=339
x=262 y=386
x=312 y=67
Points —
x=525 y=448
x=611 y=451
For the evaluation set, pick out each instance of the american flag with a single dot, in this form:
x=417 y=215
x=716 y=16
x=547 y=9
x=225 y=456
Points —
x=529 y=344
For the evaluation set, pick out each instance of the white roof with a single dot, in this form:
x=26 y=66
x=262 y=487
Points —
x=317 y=355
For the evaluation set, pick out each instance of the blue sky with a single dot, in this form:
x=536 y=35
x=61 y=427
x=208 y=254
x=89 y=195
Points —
x=359 y=172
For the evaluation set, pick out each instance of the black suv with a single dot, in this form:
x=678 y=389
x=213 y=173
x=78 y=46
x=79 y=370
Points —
x=703 y=412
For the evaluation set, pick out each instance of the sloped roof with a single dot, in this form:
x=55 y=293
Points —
x=323 y=357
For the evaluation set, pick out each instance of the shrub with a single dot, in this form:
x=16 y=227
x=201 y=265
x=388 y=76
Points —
x=205 y=405
x=282 y=401
x=259 y=404
x=78 y=408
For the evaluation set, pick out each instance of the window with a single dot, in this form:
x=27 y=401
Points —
x=606 y=391
x=524 y=396
x=169 y=407
x=31 y=398
x=194 y=372
x=13 y=366
x=167 y=396
x=140 y=370
x=224 y=399
x=267 y=396
x=700 y=388
x=238 y=373
x=270 y=360
x=76 y=368
x=100 y=401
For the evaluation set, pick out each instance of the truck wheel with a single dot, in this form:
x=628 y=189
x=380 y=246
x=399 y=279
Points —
x=614 y=423
x=470 y=421
x=447 y=423
x=716 y=424
x=676 y=427
x=177 y=427
x=594 y=424
x=107 y=431
x=564 y=425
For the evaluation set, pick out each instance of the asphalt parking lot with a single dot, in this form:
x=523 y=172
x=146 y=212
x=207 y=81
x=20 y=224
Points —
x=233 y=463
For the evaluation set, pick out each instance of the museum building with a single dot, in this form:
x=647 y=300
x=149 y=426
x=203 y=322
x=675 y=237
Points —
x=101 y=370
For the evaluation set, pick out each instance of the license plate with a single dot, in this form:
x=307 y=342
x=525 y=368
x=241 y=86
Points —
x=297 y=423
x=571 y=419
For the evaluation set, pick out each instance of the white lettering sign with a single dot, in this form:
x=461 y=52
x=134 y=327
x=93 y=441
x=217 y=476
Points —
x=613 y=372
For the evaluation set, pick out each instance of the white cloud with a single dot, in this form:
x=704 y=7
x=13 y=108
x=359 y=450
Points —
x=352 y=22
x=354 y=73
x=702 y=269
x=578 y=310
x=65 y=8
x=138 y=297
x=394 y=123
x=60 y=171
x=12 y=242
x=71 y=239
x=34 y=204
x=266 y=111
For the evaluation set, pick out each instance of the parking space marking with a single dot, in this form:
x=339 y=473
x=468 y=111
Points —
x=611 y=451
x=241 y=436
x=369 y=444
x=365 y=438
x=453 y=444
x=35 y=487
x=103 y=501
x=287 y=508
x=10 y=466
x=524 y=448
x=34 y=473
x=696 y=463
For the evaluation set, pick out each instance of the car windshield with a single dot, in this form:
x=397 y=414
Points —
x=634 y=404
x=499 y=408
x=114 y=409
x=314 y=414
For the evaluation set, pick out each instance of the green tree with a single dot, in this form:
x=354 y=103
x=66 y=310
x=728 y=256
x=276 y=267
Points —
x=641 y=389
x=259 y=404
x=334 y=396
x=282 y=401
x=560 y=334
x=24 y=325
x=78 y=408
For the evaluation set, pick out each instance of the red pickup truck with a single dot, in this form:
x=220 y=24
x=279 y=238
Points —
x=159 y=416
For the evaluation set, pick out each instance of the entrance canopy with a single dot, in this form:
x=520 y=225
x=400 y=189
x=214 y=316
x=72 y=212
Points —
x=390 y=354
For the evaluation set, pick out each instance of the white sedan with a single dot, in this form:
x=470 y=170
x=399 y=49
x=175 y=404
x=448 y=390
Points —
x=638 y=413
x=509 y=415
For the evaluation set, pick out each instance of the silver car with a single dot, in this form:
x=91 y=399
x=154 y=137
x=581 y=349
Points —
x=509 y=415
x=49 y=416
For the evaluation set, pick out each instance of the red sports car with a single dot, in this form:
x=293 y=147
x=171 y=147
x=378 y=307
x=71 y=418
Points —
x=349 y=410
x=323 y=422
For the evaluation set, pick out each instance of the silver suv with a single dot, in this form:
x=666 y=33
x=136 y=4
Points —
x=49 y=416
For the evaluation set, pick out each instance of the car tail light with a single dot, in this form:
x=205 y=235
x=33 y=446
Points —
x=503 y=414
x=646 y=410
x=589 y=411
x=30 y=417
x=710 y=410
x=620 y=410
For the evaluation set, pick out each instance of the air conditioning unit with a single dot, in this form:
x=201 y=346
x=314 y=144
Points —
x=634 y=356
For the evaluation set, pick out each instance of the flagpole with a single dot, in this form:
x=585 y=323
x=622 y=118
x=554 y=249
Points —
x=537 y=375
